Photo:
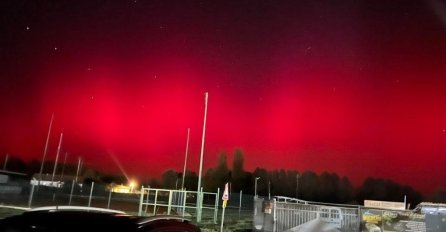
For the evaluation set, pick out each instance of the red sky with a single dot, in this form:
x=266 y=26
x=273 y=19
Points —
x=355 y=88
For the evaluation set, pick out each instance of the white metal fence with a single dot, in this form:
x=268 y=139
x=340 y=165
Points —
x=282 y=214
x=181 y=202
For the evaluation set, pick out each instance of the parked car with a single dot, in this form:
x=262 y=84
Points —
x=52 y=219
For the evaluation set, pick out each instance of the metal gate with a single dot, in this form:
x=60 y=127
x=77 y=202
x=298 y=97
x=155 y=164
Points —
x=284 y=214
x=168 y=201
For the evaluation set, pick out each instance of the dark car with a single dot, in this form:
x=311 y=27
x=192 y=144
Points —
x=91 y=219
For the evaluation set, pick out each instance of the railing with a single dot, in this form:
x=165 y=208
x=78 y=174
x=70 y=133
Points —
x=167 y=201
x=282 y=214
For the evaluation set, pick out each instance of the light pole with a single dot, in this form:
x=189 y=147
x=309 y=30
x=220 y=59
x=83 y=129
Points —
x=269 y=190
x=255 y=186
x=297 y=186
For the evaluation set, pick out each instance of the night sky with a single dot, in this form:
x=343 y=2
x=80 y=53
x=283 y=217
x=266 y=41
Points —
x=352 y=87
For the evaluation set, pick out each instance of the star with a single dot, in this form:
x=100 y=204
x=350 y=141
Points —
x=27 y=28
x=55 y=48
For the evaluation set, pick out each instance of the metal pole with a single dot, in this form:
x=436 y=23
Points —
x=46 y=149
x=109 y=199
x=63 y=167
x=71 y=193
x=405 y=205
x=297 y=186
x=75 y=180
x=169 y=205
x=141 y=199
x=202 y=141
x=255 y=186
x=6 y=161
x=57 y=158
x=156 y=198
x=201 y=156
x=184 y=201
x=31 y=194
x=216 y=205
x=200 y=205
x=240 y=204
x=91 y=193
x=222 y=219
x=185 y=158
x=269 y=190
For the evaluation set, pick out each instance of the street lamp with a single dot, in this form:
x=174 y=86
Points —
x=269 y=190
x=255 y=187
x=297 y=186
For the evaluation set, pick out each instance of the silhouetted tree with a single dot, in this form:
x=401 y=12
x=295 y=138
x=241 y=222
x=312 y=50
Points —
x=310 y=186
x=439 y=195
x=191 y=181
x=327 y=190
x=14 y=164
x=170 y=180
x=209 y=184
x=221 y=173
x=238 y=173
x=387 y=190
x=345 y=191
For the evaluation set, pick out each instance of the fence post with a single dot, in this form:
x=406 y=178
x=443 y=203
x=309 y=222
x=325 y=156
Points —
x=141 y=199
x=91 y=193
x=199 y=204
x=109 y=199
x=147 y=200
x=184 y=201
x=71 y=193
x=154 y=203
x=216 y=205
x=240 y=204
x=30 y=200
x=169 y=205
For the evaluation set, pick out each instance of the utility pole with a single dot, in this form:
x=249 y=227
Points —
x=297 y=186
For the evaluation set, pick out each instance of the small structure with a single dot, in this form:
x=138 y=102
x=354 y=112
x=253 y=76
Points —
x=120 y=188
x=57 y=181
x=11 y=182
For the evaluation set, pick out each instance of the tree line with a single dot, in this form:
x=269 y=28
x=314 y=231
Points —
x=307 y=185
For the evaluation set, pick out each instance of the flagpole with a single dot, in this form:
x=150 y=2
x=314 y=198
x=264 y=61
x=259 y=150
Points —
x=185 y=159
x=57 y=157
x=202 y=140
